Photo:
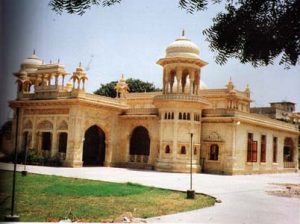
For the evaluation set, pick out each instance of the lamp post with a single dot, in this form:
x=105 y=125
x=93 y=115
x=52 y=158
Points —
x=24 y=172
x=191 y=192
x=12 y=217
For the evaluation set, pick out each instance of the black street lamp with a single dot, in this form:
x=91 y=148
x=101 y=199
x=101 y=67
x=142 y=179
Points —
x=12 y=217
x=191 y=192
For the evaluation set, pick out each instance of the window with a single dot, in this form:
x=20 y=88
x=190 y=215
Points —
x=172 y=116
x=188 y=116
x=167 y=149
x=214 y=152
x=274 y=149
x=184 y=116
x=169 y=116
x=180 y=116
x=63 y=139
x=288 y=150
x=46 y=141
x=263 y=147
x=251 y=149
x=166 y=116
x=183 y=150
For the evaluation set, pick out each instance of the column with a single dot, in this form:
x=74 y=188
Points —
x=54 y=145
x=164 y=78
x=197 y=81
x=179 y=79
x=192 y=78
x=167 y=80
x=175 y=135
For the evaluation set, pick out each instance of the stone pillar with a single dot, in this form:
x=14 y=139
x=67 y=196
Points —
x=33 y=140
x=54 y=145
x=164 y=80
x=167 y=80
x=179 y=79
x=161 y=150
x=75 y=139
x=192 y=78
x=197 y=82
x=108 y=152
x=175 y=136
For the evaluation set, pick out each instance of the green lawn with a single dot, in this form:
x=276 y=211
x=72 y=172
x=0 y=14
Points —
x=51 y=198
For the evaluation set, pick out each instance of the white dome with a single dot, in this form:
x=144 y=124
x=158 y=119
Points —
x=32 y=61
x=182 y=47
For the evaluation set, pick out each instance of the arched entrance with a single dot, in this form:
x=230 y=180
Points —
x=94 y=147
x=139 y=145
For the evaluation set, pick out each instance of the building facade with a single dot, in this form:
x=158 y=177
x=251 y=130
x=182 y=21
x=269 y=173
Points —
x=156 y=130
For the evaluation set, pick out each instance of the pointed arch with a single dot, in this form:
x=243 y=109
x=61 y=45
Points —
x=94 y=147
x=140 y=141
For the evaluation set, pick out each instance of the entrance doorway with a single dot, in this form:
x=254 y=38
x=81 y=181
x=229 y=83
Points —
x=140 y=142
x=94 y=147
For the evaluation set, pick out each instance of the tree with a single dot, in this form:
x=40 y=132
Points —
x=253 y=31
x=135 y=85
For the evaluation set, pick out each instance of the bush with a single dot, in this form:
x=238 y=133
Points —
x=34 y=158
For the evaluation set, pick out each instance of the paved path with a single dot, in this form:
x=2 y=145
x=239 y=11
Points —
x=244 y=198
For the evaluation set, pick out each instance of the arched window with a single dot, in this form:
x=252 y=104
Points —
x=169 y=116
x=183 y=150
x=167 y=149
x=166 y=116
x=62 y=142
x=214 y=152
x=180 y=116
x=188 y=116
x=184 y=116
x=172 y=115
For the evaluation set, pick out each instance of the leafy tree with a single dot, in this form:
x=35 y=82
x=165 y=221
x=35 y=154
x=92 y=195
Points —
x=253 y=31
x=135 y=85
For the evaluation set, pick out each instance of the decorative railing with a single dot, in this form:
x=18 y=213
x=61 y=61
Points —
x=181 y=97
x=289 y=164
x=48 y=88
x=138 y=158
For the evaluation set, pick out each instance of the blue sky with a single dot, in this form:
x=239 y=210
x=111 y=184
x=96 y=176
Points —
x=127 y=38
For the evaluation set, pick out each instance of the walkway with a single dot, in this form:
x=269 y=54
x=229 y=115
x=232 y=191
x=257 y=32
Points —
x=244 y=198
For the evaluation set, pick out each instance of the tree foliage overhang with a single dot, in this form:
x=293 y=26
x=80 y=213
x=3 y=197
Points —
x=253 y=31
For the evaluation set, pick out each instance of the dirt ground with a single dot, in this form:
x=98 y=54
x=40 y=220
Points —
x=286 y=190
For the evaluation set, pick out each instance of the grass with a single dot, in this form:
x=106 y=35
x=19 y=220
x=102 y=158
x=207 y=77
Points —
x=51 y=198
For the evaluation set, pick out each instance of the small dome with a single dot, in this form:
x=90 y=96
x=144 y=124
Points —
x=182 y=47
x=32 y=61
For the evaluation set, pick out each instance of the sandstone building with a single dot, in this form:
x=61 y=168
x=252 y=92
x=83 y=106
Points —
x=155 y=130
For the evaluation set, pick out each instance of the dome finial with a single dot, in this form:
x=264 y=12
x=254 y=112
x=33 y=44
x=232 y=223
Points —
x=80 y=64
x=183 y=33
x=33 y=51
